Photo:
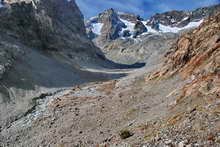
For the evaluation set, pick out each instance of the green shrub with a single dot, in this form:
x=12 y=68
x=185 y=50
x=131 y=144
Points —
x=124 y=134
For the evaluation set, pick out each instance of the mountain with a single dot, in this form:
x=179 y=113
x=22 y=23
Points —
x=173 y=101
x=181 y=19
x=43 y=49
x=58 y=89
x=114 y=32
x=130 y=25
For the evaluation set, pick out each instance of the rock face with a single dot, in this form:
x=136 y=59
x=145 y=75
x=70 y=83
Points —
x=91 y=34
x=195 y=57
x=130 y=17
x=170 y=18
x=58 y=28
x=112 y=25
x=195 y=52
x=155 y=24
x=43 y=48
x=126 y=33
x=139 y=28
x=8 y=55
x=36 y=24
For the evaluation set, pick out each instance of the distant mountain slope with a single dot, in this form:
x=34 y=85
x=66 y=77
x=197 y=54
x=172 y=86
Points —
x=124 y=25
x=183 y=18
x=124 y=38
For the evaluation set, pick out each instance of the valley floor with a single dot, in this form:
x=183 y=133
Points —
x=95 y=113
x=127 y=111
x=98 y=113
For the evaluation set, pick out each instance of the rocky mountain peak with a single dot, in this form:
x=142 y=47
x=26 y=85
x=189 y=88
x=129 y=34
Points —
x=130 y=17
x=183 y=18
x=107 y=15
x=168 y=18
x=111 y=25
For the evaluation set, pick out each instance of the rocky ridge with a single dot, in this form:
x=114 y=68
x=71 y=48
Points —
x=182 y=18
x=195 y=58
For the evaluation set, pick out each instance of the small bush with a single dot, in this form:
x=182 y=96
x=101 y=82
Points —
x=124 y=134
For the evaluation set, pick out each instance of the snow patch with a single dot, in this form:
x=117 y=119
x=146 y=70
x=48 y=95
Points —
x=130 y=25
x=166 y=29
x=185 y=18
x=172 y=20
x=193 y=24
x=150 y=30
x=97 y=27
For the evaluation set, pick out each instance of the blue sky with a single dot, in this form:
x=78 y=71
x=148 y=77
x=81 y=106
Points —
x=145 y=8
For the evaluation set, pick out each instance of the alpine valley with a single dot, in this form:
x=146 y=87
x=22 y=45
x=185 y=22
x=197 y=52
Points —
x=114 y=80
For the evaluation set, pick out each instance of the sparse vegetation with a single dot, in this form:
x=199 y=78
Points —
x=124 y=134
